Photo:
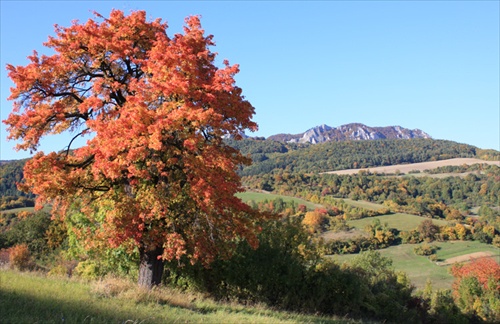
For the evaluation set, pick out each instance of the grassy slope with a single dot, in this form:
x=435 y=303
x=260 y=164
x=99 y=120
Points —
x=29 y=298
x=364 y=204
x=402 y=222
x=24 y=209
x=259 y=196
x=420 y=268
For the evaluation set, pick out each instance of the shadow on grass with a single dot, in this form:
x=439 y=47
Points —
x=18 y=307
x=26 y=298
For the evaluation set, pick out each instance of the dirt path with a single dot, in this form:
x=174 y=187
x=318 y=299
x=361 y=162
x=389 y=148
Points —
x=466 y=257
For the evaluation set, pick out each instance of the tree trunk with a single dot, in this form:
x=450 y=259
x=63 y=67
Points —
x=150 y=268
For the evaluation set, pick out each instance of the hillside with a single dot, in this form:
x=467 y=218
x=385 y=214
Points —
x=271 y=156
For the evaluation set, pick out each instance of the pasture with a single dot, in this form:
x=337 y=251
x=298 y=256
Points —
x=400 y=221
x=364 y=204
x=262 y=196
x=420 y=268
x=406 y=168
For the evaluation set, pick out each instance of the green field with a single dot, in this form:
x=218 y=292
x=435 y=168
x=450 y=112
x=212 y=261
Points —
x=17 y=210
x=33 y=298
x=400 y=221
x=364 y=204
x=24 y=209
x=420 y=268
x=260 y=196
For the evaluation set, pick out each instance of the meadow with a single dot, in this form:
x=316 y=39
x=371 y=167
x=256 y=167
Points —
x=35 y=298
x=421 y=166
x=262 y=196
x=419 y=268
x=400 y=221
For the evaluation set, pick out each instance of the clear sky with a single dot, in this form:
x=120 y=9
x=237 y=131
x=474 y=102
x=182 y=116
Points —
x=432 y=65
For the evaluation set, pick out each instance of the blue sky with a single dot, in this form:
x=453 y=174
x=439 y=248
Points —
x=417 y=64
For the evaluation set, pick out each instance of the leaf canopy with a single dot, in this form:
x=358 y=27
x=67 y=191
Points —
x=154 y=109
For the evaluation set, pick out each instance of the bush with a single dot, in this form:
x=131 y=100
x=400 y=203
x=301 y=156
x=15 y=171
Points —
x=20 y=257
x=88 y=269
x=287 y=272
x=31 y=231
x=425 y=249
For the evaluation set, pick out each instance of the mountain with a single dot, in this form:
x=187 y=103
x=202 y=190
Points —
x=354 y=131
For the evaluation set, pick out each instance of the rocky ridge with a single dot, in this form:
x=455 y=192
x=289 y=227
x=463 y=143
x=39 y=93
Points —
x=349 y=132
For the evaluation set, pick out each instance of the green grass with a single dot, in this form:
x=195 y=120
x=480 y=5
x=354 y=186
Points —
x=400 y=221
x=18 y=210
x=31 y=298
x=453 y=249
x=24 y=209
x=364 y=204
x=259 y=196
x=420 y=268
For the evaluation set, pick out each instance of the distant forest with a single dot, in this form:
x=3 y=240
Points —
x=271 y=156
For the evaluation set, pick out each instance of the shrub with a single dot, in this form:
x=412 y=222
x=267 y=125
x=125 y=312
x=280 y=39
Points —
x=286 y=272
x=425 y=249
x=496 y=241
x=20 y=257
x=31 y=231
x=58 y=270
x=88 y=270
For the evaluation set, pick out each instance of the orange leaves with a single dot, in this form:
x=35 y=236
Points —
x=155 y=170
x=483 y=269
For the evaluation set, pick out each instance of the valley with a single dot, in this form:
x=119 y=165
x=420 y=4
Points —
x=418 y=206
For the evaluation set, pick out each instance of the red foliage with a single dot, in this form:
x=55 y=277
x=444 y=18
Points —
x=154 y=109
x=484 y=269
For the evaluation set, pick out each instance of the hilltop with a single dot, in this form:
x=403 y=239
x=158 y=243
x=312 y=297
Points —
x=349 y=132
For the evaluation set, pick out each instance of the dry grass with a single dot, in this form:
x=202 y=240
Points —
x=111 y=286
x=466 y=257
x=406 y=168
x=344 y=235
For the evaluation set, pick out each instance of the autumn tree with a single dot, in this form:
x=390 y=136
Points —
x=477 y=288
x=155 y=173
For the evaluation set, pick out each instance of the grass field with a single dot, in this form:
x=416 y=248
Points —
x=406 y=168
x=400 y=221
x=364 y=204
x=24 y=209
x=31 y=298
x=18 y=210
x=420 y=268
x=260 y=196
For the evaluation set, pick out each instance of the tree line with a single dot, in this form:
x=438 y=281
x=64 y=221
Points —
x=270 y=156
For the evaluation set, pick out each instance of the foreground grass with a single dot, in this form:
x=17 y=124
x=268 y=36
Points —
x=34 y=298
x=420 y=268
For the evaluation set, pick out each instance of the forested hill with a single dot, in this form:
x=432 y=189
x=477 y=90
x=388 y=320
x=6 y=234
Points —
x=270 y=156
